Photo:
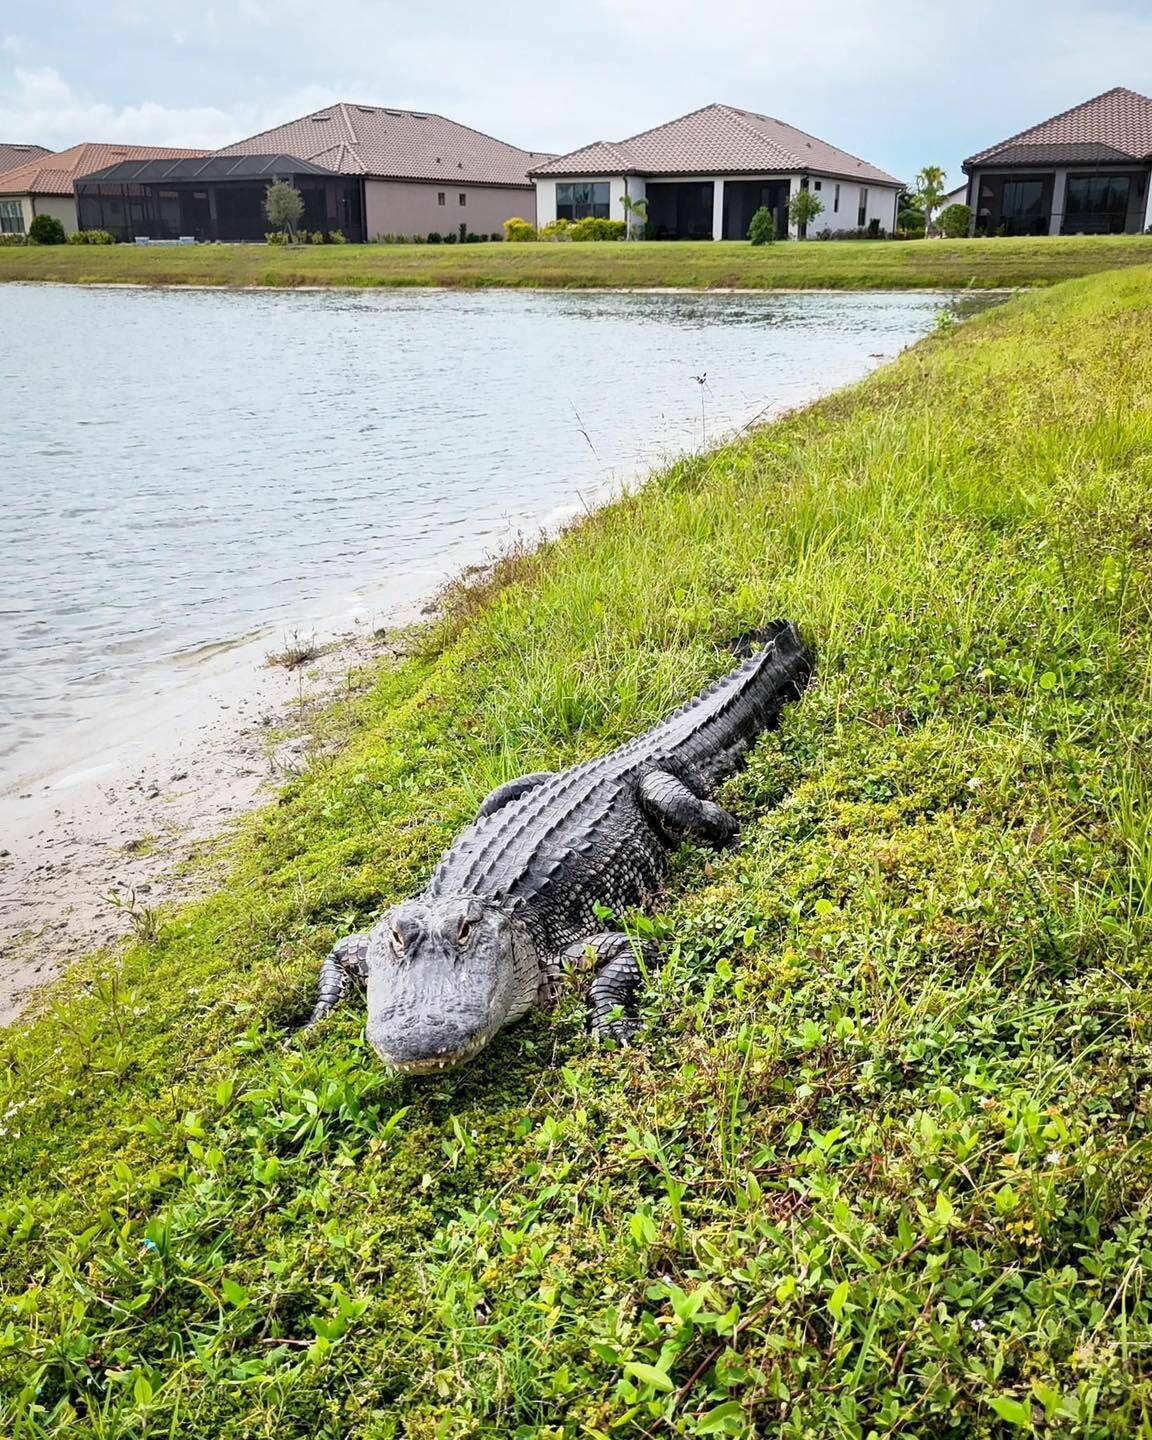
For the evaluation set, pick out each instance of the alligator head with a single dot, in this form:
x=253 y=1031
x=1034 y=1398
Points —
x=444 y=975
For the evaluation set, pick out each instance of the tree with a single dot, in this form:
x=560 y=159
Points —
x=635 y=210
x=46 y=230
x=929 y=192
x=284 y=207
x=804 y=207
x=955 y=221
x=909 y=215
x=762 y=230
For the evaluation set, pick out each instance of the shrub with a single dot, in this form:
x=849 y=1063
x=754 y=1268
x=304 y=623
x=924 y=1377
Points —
x=518 y=229
x=13 y=240
x=46 y=230
x=591 y=228
x=337 y=237
x=954 y=221
x=435 y=238
x=451 y=237
x=556 y=230
x=91 y=237
x=762 y=230
x=275 y=237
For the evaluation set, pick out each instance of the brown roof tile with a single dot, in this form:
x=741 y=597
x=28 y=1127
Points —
x=1114 y=126
x=719 y=139
x=15 y=154
x=394 y=144
x=53 y=174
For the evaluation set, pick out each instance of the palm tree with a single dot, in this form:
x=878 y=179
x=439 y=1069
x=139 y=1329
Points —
x=929 y=192
x=637 y=213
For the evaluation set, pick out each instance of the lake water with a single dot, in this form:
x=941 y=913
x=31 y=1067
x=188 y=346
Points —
x=183 y=470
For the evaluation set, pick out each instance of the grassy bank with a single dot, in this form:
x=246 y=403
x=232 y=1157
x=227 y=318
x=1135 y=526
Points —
x=847 y=265
x=881 y=1165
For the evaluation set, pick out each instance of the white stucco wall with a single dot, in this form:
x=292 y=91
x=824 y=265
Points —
x=881 y=199
x=618 y=187
x=881 y=204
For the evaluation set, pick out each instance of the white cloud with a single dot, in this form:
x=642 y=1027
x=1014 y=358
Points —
x=41 y=107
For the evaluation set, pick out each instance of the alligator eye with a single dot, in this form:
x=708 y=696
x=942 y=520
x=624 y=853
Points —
x=465 y=932
x=397 y=941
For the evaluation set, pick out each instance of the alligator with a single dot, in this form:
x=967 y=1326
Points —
x=518 y=900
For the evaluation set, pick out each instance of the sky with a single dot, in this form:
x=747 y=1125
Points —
x=897 y=83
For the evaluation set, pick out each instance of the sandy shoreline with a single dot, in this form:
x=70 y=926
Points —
x=127 y=827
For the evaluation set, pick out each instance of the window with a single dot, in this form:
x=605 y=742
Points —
x=862 y=212
x=816 y=183
x=578 y=199
x=463 y=198
x=11 y=217
x=440 y=200
x=836 y=200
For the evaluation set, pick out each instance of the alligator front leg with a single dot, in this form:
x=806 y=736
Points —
x=682 y=815
x=621 y=964
x=345 y=970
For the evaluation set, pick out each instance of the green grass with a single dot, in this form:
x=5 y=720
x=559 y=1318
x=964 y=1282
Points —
x=836 y=265
x=881 y=1165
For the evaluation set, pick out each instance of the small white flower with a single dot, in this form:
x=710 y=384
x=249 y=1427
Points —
x=1055 y=1157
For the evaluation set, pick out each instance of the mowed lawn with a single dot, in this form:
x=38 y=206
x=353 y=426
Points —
x=839 y=265
x=882 y=1163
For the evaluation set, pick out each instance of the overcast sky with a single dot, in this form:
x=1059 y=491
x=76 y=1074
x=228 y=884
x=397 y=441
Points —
x=902 y=83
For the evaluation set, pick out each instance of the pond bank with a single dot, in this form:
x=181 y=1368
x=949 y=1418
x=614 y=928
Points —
x=725 y=265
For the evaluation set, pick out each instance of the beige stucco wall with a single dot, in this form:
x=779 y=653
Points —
x=398 y=207
x=62 y=206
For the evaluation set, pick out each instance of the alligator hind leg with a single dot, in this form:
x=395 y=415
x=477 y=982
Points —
x=682 y=815
x=613 y=999
x=345 y=970
x=512 y=790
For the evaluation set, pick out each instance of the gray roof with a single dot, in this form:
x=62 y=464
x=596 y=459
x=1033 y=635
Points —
x=1111 y=128
x=391 y=144
x=716 y=140
x=207 y=167
x=13 y=153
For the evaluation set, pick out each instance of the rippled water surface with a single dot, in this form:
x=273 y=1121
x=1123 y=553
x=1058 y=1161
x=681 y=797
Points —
x=179 y=469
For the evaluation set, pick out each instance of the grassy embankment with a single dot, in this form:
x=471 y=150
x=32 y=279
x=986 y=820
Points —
x=835 y=265
x=882 y=1162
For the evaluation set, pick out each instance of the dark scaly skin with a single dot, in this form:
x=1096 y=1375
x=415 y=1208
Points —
x=516 y=896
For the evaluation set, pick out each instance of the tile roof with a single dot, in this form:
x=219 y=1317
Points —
x=205 y=167
x=719 y=139
x=14 y=154
x=1114 y=126
x=54 y=174
x=395 y=145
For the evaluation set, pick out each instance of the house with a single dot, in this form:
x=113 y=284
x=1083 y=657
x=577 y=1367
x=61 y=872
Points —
x=45 y=185
x=959 y=196
x=706 y=174
x=415 y=172
x=13 y=153
x=212 y=197
x=1085 y=171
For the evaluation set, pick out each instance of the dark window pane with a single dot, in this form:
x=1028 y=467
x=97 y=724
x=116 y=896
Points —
x=578 y=199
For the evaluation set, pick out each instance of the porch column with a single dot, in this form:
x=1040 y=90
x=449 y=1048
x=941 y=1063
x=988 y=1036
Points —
x=1148 y=201
x=1059 y=185
x=717 y=209
x=793 y=187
